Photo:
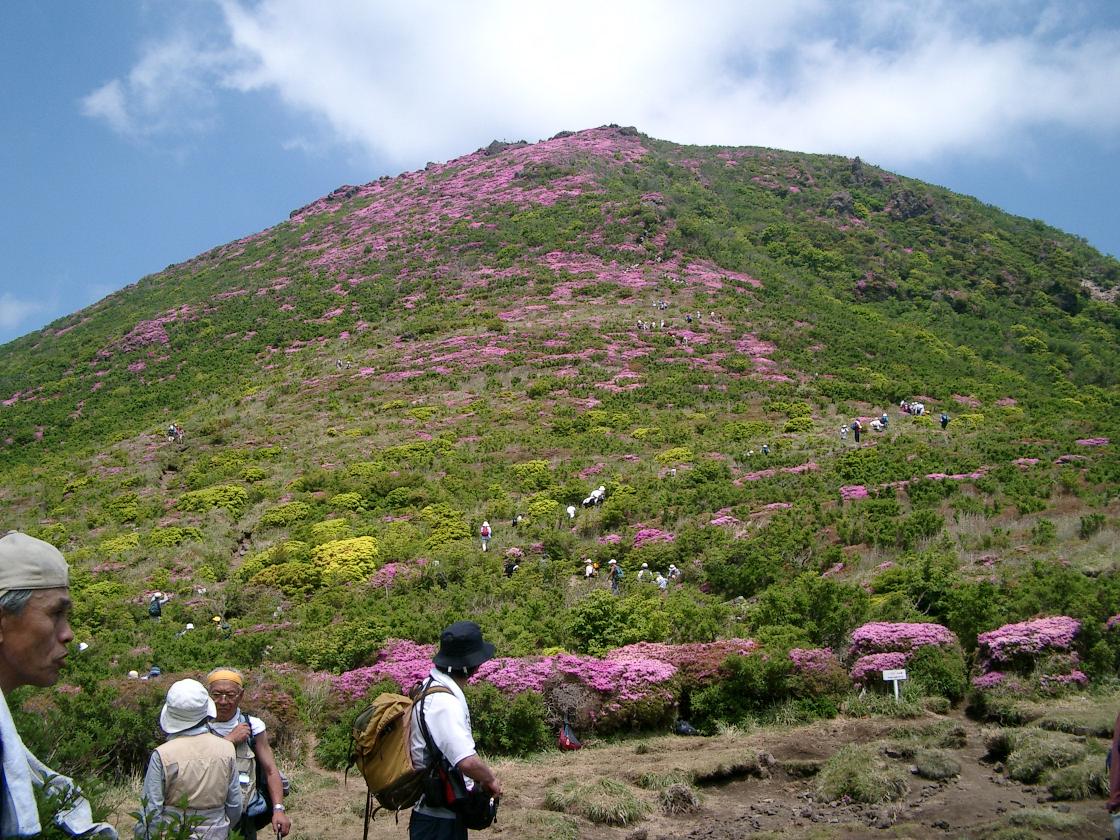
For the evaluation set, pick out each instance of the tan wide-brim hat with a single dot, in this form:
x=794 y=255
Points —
x=188 y=704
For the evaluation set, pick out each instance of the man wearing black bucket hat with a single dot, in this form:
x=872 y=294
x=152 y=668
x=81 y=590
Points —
x=448 y=722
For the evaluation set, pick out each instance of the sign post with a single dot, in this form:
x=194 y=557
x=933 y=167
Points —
x=895 y=676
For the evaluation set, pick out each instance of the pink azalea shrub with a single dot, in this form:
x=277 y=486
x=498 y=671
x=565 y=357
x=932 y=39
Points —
x=867 y=669
x=885 y=636
x=698 y=663
x=1040 y=649
x=989 y=680
x=1026 y=639
x=645 y=536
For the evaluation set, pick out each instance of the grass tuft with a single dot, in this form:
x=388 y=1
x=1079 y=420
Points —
x=859 y=772
x=936 y=765
x=603 y=801
x=679 y=799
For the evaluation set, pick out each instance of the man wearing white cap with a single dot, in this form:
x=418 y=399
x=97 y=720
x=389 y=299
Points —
x=193 y=765
x=34 y=632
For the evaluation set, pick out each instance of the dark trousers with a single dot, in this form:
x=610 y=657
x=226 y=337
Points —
x=247 y=827
x=424 y=827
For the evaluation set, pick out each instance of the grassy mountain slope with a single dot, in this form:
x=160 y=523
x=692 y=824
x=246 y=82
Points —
x=363 y=384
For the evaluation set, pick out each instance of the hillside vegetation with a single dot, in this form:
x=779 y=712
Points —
x=363 y=385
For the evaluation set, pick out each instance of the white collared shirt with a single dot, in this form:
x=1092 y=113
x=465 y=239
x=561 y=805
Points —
x=449 y=724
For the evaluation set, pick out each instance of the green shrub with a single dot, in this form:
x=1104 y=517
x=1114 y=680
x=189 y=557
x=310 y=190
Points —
x=120 y=543
x=1090 y=524
x=938 y=670
x=231 y=497
x=253 y=474
x=543 y=510
x=750 y=685
x=1044 y=532
x=343 y=560
x=340 y=647
x=348 y=501
x=1087 y=779
x=677 y=455
x=1034 y=752
x=514 y=726
x=173 y=536
x=533 y=475
x=124 y=508
x=798 y=425
x=285 y=515
x=861 y=773
x=329 y=530
x=293 y=579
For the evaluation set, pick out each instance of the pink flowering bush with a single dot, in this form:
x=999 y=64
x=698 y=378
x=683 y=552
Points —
x=884 y=636
x=867 y=669
x=1026 y=640
x=645 y=536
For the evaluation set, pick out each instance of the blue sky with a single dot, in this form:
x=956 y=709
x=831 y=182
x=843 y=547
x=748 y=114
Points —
x=138 y=134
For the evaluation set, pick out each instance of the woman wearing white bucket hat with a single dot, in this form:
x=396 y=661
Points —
x=192 y=765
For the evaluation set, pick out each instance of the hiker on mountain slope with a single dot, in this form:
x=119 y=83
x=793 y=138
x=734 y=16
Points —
x=252 y=748
x=447 y=722
x=484 y=535
x=34 y=633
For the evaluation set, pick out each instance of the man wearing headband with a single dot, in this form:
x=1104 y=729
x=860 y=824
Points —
x=249 y=738
x=34 y=632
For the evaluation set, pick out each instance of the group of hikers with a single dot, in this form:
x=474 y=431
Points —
x=209 y=769
x=174 y=433
x=615 y=574
x=880 y=424
x=215 y=771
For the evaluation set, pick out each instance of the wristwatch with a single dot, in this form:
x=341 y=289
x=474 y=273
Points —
x=278 y=808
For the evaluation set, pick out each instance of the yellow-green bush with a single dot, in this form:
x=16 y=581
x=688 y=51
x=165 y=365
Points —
x=231 y=497
x=285 y=515
x=124 y=508
x=544 y=510
x=676 y=455
x=173 y=536
x=533 y=475
x=798 y=424
x=348 y=501
x=120 y=544
x=291 y=551
x=330 y=529
x=253 y=473
x=293 y=579
x=349 y=559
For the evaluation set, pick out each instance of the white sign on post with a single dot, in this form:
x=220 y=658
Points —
x=895 y=676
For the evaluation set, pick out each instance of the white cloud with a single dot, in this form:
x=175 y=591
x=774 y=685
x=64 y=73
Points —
x=170 y=91
x=15 y=311
x=897 y=81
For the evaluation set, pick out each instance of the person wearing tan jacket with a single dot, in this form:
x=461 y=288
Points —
x=194 y=772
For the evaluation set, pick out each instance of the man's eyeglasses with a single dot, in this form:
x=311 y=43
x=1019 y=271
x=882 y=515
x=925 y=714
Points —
x=225 y=695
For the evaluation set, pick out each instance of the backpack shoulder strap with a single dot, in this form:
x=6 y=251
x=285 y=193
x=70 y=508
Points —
x=252 y=738
x=418 y=703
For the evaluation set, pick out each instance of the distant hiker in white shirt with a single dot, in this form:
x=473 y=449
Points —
x=34 y=633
